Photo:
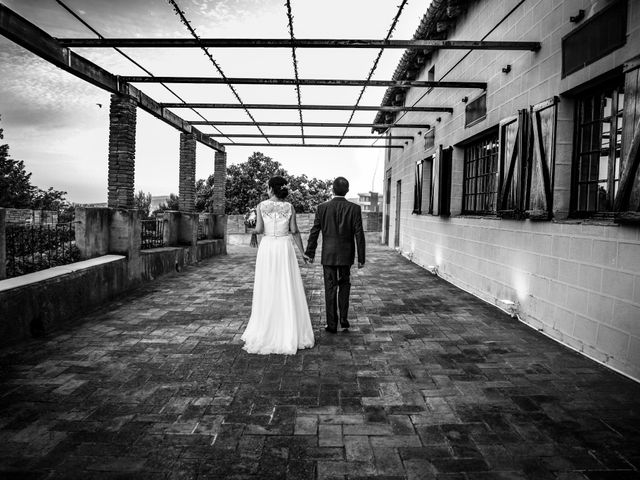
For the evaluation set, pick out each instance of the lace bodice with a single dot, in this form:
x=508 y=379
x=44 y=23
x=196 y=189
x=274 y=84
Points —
x=276 y=216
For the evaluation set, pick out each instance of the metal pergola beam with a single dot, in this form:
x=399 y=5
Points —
x=327 y=82
x=27 y=35
x=312 y=124
x=323 y=145
x=269 y=106
x=332 y=137
x=297 y=43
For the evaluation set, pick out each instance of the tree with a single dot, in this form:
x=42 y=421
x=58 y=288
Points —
x=16 y=190
x=204 y=194
x=49 y=200
x=142 y=202
x=172 y=203
x=246 y=186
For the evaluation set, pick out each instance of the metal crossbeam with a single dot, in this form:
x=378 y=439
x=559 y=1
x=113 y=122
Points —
x=312 y=124
x=297 y=43
x=323 y=145
x=27 y=35
x=334 y=137
x=328 y=82
x=270 y=106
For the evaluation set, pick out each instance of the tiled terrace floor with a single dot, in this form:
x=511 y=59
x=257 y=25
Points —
x=429 y=383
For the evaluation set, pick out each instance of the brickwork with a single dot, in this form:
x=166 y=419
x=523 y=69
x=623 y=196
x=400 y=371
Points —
x=187 y=186
x=219 y=182
x=122 y=152
x=578 y=281
x=429 y=384
x=36 y=217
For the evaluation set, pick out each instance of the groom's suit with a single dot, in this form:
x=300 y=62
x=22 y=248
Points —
x=340 y=222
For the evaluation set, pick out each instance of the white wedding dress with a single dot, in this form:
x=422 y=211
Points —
x=280 y=321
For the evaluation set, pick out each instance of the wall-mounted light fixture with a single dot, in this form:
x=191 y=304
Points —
x=419 y=133
x=506 y=69
x=465 y=99
x=439 y=119
x=432 y=269
x=510 y=306
x=578 y=17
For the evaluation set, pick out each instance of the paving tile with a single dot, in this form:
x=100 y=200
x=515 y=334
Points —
x=430 y=383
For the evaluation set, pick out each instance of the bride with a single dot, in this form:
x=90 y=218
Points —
x=280 y=321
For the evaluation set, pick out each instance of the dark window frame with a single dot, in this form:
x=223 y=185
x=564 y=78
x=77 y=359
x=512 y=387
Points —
x=585 y=201
x=481 y=175
x=588 y=23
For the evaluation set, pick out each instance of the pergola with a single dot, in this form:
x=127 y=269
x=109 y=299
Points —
x=126 y=97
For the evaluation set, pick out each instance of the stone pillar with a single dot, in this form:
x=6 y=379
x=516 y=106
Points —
x=219 y=182
x=187 y=186
x=374 y=202
x=122 y=152
x=3 y=244
x=125 y=230
x=92 y=231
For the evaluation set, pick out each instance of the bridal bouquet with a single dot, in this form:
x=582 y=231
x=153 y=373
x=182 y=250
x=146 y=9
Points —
x=250 y=222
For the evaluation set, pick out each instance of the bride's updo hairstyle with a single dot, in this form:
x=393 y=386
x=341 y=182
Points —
x=278 y=183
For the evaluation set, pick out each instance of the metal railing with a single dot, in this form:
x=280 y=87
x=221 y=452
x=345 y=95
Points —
x=30 y=248
x=152 y=234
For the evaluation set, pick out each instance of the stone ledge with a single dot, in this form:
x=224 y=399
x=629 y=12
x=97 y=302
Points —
x=53 y=272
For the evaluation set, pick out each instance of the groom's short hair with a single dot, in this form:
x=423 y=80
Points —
x=340 y=186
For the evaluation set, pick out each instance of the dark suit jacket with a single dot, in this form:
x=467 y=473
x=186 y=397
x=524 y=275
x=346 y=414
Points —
x=340 y=222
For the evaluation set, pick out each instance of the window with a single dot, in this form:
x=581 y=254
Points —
x=597 y=149
x=475 y=111
x=430 y=138
x=423 y=196
x=431 y=75
x=480 y=186
x=603 y=33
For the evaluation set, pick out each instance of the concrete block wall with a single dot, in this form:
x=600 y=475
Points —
x=577 y=281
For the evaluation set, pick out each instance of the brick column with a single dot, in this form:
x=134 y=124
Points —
x=219 y=182
x=122 y=151
x=187 y=187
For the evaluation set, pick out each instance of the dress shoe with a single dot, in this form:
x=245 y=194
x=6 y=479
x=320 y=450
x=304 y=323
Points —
x=331 y=330
x=344 y=323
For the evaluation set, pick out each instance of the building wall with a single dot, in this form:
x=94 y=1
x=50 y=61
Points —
x=577 y=281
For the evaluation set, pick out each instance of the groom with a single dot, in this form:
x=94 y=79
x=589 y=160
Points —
x=340 y=222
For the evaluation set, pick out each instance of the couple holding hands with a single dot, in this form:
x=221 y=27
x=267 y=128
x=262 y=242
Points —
x=280 y=321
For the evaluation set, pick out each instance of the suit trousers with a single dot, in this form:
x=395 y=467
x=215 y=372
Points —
x=337 y=286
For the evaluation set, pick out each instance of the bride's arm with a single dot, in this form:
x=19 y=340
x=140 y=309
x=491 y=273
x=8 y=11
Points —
x=297 y=239
x=259 y=222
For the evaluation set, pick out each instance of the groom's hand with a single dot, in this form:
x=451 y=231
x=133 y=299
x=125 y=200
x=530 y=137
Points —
x=307 y=259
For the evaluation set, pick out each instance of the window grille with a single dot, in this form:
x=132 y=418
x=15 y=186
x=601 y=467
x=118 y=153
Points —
x=597 y=149
x=480 y=185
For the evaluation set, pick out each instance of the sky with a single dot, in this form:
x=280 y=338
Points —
x=58 y=124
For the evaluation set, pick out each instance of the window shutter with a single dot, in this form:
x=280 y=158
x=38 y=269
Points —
x=508 y=163
x=515 y=153
x=417 y=191
x=444 y=188
x=543 y=119
x=627 y=200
